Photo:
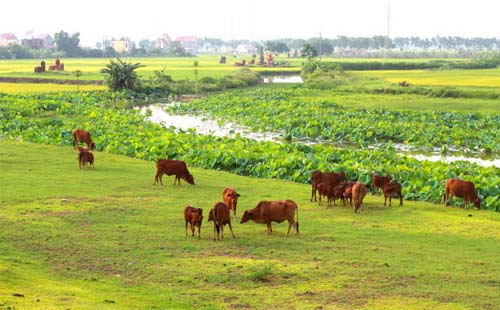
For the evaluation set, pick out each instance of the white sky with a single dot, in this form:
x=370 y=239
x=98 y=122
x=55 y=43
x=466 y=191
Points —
x=256 y=19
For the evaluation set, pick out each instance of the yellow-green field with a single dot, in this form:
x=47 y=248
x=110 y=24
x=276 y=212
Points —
x=462 y=78
x=178 y=68
x=14 y=88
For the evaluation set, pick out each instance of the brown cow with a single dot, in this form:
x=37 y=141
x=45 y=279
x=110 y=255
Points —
x=379 y=181
x=462 y=189
x=80 y=135
x=358 y=194
x=347 y=194
x=85 y=157
x=220 y=215
x=193 y=216
x=230 y=197
x=329 y=178
x=391 y=190
x=172 y=167
x=274 y=211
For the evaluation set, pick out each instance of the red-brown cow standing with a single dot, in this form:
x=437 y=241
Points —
x=172 y=167
x=274 y=211
x=220 y=215
x=230 y=197
x=80 y=135
x=85 y=157
x=462 y=189
x=347 y=195
x=329 y=178
x=392 y=190
x=193 y=216
x=379 y=181
x=358 y=194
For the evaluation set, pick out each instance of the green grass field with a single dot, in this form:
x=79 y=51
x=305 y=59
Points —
x=118 y=243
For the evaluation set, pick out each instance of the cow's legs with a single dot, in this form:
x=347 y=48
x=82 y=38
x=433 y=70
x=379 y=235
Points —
x=231 y=229
x=186 y=228
x=290 y=223
x=199 y=228
x=400 y=198
x=269 y=228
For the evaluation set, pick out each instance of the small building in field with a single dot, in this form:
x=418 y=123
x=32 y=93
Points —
x=33 y=43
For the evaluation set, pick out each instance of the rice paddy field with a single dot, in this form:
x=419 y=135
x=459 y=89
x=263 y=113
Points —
x=485 y=78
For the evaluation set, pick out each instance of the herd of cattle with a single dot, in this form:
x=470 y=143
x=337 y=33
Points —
x=331 y=185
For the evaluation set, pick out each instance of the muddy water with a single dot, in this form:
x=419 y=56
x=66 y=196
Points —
x=206 y=126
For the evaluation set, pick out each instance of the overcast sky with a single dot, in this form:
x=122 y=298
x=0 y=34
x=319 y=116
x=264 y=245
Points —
x=255 y=20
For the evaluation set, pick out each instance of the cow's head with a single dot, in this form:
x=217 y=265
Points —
x=477 y=203
x=247 y=215
x=92 y=146
x=190 y=179
x=200 y=211
x=211 y=215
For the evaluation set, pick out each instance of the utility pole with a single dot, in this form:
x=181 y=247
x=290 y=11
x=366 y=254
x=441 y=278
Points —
x=388 y=36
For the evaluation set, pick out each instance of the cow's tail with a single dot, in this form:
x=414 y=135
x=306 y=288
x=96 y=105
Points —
x=297 y=223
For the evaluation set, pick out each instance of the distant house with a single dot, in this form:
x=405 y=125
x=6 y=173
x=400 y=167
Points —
x=164 y=41
x=33 y=43
x=48 y=41
x=246 y=49
x=189 y=43
x=8 y=39
x=122 y=45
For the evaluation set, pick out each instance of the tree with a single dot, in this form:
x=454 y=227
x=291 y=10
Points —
x=277 y=47
x=176 y=49
x=66 y=44
x=308 y=51
x=78 y=73
x=120 y=75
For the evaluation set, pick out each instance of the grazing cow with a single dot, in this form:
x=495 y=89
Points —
x=358 y=194
x=462 y=189
x=379 y=181
x=230 y=197
x=391 y=190
x=329 y=178
x=274 y=211
x=172 y=167
x=347 y=194
x=220 y=215
x=80 y=135
x=85 y=157
x=193 y=216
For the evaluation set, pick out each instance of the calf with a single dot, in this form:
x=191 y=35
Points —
x=85 y=157
x=230 y=197
x=334 y=193
x=462 y=189
x=347 y=194
x=328 y=178
x=193 y=216
x=274 y=211
x=391 y=190
x=220 y=215
x=80 y=135
x=379 y=181
x=358 y=194
x=172 y=167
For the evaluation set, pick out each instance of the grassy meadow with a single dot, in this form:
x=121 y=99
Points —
x=117 y=242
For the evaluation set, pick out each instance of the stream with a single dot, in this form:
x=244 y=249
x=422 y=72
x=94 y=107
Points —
x=204 y=125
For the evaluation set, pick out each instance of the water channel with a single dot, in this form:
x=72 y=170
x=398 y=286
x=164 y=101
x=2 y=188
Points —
x=206 y=126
